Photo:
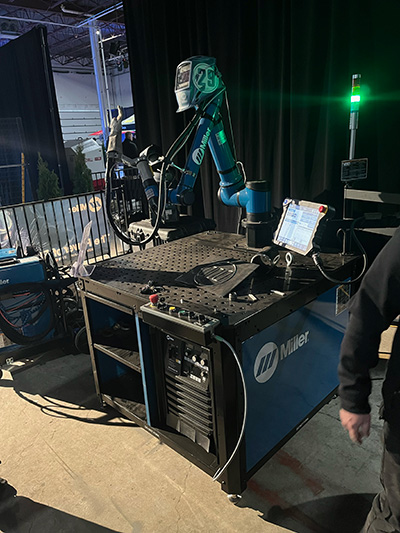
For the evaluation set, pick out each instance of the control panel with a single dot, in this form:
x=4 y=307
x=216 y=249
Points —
x=179 y=320
x=187 y=360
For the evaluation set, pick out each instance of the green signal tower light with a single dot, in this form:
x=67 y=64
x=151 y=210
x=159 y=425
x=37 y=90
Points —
x=354 y=110
x=355 y=92
x=354 y=169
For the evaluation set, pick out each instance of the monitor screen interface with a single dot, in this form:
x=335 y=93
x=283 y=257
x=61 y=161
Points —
x=299 y=224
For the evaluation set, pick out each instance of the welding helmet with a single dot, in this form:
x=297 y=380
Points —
x=197 y=79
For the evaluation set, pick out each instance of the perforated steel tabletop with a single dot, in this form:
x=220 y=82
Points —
x=122 y=279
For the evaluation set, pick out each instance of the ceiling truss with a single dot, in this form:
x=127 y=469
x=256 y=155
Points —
x=67 y=26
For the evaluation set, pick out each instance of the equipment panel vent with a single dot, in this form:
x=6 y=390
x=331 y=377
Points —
x=189 y=410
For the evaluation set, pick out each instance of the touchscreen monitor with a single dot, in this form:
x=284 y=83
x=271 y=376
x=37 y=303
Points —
x=301 y=225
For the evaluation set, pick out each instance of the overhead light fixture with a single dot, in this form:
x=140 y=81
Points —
x=113 y=37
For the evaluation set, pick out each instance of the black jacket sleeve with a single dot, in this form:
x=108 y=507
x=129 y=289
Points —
x=372 y=309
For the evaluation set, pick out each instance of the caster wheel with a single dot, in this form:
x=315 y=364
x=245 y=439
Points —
x=234 y=498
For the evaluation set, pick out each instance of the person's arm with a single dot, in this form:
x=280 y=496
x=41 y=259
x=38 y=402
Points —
x=372 y=309
x=114 y=139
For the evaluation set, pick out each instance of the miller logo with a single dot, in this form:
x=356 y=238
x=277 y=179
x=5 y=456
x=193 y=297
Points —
x=269 y=355
x=198 y=154
x=95 y=204
x=266 y=362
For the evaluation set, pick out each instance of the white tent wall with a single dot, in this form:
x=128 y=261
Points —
x=78 y=103
x=120 y=88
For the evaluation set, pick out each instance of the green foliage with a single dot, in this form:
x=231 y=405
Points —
x=82 y=176
x=48 y=181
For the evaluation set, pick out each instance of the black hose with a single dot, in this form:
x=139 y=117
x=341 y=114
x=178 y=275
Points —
x=11 y=331
x=162 y=195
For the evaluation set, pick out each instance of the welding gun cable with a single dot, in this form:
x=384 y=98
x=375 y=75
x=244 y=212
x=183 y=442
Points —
x=17 y=337
x=162 y=187
x=176 y=146
x=221 y=470
x=4 y=317
x=11 y=331
x=120 y=234
x=318 y=262
x=24 y=304
x=109 y=171
x=353 y=233
x=36 y=310
x=230 y=127
x=180 y=141
x=161 y=203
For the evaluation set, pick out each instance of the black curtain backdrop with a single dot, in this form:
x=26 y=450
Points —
x=287 y=66
x=27 y=91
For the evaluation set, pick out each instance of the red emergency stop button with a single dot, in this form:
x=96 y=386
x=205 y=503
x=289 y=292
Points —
x=153 y=299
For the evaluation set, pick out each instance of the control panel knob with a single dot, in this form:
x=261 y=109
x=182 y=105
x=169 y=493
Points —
x=194 y=358
x=172 y=310
x=203 y=362
x=204 y=376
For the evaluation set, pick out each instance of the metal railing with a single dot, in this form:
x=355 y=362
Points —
x=57 y=226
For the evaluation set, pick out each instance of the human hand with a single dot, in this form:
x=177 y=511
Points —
x=358 y=425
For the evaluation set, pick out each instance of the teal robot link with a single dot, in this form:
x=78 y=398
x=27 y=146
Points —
x=198 y=85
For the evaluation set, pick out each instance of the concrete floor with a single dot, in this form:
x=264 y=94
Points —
x=72 y=467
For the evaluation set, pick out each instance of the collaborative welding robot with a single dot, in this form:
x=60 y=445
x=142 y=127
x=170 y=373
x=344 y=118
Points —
x=199 y=85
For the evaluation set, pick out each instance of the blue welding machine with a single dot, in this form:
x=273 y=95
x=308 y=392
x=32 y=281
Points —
x=25 y=307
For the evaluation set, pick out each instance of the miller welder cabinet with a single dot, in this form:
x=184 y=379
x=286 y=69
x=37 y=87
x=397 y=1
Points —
x=173 y=365
x=26 y=319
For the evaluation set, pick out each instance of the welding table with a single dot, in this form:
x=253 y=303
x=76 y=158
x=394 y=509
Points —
x=164 y=368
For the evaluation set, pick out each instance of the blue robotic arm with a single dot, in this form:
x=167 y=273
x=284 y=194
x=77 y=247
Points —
x=199 y=85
